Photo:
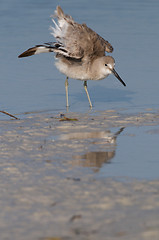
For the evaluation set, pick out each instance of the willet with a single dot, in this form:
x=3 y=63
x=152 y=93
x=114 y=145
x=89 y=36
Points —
x=80 y=52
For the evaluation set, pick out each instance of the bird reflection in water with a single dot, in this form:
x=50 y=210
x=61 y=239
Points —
x=95 y=159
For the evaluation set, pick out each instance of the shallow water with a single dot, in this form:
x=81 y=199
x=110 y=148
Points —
x=136 y=154
x=34 y=83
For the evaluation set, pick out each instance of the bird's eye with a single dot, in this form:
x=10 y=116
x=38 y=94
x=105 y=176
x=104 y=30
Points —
x=106 y=65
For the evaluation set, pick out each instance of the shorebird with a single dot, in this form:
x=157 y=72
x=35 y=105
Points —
x=80 y=52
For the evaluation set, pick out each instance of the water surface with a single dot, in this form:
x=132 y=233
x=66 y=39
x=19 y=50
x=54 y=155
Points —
x=34 y=83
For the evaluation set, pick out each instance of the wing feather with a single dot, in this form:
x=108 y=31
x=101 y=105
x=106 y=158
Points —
x=74 y=40
x=77 y=39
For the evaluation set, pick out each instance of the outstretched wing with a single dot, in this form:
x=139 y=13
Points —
x=77 y=39
x=74 y=40
x=44 y=48
x=35 y=50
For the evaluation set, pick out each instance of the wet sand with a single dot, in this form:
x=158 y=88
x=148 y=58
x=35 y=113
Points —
x=48 y=191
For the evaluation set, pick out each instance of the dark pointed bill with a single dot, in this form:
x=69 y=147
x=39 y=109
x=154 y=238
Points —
x=117 y=76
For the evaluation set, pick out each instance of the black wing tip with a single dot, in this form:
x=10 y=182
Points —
x=21 y=55
x=27 y=53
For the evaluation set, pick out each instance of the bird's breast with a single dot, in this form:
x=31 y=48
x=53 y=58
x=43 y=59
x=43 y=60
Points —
x=75 y=71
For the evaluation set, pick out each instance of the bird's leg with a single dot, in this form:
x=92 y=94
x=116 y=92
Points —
x=66 y=87
x=85 y=87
